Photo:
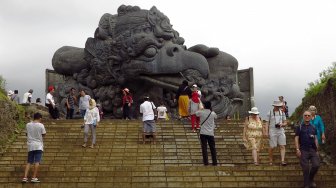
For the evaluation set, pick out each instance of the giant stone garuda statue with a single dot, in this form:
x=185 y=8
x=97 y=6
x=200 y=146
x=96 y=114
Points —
x=140 y=50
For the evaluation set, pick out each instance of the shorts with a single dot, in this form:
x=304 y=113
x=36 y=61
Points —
x=276 y=139
x=149 y=126
x=34 y=156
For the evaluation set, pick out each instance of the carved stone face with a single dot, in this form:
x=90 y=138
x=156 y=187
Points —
x=140 y=50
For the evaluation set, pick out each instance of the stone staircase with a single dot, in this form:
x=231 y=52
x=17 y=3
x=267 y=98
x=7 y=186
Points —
x=121 y=160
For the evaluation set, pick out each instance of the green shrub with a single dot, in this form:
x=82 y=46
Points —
x=319 y=85
x=2 y=85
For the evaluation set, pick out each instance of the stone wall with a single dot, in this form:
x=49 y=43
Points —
x=325 y=102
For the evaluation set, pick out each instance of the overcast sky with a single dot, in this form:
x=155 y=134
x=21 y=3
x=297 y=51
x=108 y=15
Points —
x=286 y=42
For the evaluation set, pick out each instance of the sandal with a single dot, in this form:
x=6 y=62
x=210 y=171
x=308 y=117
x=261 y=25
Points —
x=256 y=163
x=84 y=145
x=92 y=146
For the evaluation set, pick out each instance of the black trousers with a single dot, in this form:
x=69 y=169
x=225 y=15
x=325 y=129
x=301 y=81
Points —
x=309 y=171
x=70 y=113
x=126 y=111
x=53 y=111
x=205 y=140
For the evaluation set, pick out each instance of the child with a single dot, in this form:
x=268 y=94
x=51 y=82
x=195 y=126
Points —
x=194 y=105
x=162 y=112
x=91 y=120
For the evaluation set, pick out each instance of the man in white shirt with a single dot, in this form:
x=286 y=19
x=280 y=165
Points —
x=27 y=97
x=35 y=133
x=50 y=103
x=149 y=127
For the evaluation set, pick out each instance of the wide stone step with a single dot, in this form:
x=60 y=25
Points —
x=121 y=160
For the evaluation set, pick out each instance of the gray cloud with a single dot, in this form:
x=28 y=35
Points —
x=286 y=42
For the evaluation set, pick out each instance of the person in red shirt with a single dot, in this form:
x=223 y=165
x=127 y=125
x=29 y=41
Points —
x=127 y=103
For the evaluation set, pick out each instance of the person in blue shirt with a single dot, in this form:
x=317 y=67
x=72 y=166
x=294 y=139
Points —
x=307 y=149
x=317 y=122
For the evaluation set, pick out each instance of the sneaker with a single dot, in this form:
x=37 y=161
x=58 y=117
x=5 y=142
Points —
x=24 y=180
x=35 y=180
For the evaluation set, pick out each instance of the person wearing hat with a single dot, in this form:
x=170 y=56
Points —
x=194 y=105
x=149 y=127
x=182 y=96
x=91 y=119
x=276 y=132
x=27 y=97
x=50 y=103
x=10 y=93
x=317 y=122
x=252 y=134
x=127 y=102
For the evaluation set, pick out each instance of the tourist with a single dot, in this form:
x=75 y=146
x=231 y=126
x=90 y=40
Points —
x=149 y=126
x=194 y=105
x=50 y=103
x=317 y=122
x=207 y=135
x=83 y=102
x=182 y=96
x=127 y=103
x=27 y=97
x=162 y=111
x=10 y=93
x=91 y=119
x=101 y=112
x=70 y=103
x=306 y=144
x=253 y=133
x=15 y=97
x=35 y=132
x=284 y=106
x=38 y=101
x=275 y=128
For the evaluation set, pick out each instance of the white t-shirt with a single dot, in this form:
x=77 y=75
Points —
x=34 y=136
x=26 y=96
x=92 y=116
x=277 y=117
x=162 y=112
x=84 y=102
x=51 y=98
x=146 y=108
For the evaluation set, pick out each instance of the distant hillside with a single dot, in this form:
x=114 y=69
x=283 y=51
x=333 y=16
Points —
x=323 y=96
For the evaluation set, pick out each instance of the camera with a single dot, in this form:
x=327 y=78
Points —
x=277 y=126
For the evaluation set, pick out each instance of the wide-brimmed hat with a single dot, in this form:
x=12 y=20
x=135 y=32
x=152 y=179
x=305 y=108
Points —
x=254 y=110
x=277 y=103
